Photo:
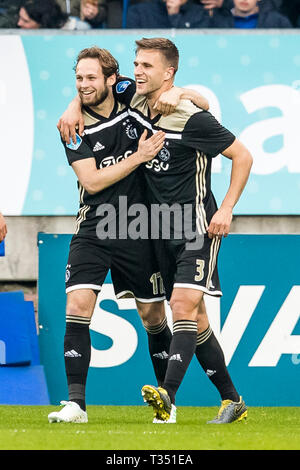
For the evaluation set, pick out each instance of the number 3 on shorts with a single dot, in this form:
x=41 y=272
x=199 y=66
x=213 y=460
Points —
x=200 y=263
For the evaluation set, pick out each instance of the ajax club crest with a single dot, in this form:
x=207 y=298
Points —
x=164 y=154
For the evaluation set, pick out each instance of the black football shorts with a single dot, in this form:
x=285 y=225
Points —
x=132 y=264
x=189 y=268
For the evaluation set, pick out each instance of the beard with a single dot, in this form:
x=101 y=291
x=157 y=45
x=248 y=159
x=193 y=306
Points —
x=100 y=97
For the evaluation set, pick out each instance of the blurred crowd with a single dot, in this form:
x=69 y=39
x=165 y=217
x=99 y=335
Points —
x=91 y=14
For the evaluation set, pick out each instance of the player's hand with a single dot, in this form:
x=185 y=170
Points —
x=148 y=148
x=71 y=122
x=3 y=228
x=220 y=223
x=168 y=101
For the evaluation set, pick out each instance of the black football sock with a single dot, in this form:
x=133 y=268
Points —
x=159 y=340
x=77 y=353
x=211 y=358
x=181 y=352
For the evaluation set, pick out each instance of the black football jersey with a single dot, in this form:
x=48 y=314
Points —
x=109 y=141
x=181 y=172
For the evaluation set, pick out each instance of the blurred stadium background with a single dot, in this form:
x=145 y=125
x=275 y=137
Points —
x=252 y=81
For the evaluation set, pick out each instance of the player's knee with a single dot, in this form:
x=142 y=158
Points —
x=77 y=308
x=183 y=309
x=152 y=315
x=152 y=321
x=81 y=303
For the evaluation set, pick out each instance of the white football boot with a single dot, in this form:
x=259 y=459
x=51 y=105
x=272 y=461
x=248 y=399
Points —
x=70 y=413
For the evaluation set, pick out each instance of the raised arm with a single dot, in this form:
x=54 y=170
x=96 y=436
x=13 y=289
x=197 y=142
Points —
x=241 y=166
x=71 y=121
x=94 y=180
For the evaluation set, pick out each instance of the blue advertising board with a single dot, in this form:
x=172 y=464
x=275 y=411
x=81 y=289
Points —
x=257 y=322
x=250 y=79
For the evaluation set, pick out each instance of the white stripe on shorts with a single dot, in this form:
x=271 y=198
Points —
x=185 y=285
x=155 y=299
x=83 y=286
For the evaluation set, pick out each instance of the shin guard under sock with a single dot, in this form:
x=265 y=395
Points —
x=77 y=354
x=211 y=358
x=159 y=340
x=181 y=351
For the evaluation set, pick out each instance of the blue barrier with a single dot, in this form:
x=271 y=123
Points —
x=24 y=385
x=18 y=330
x=2 y=248
x=22 y=376
x=14 y=332
x=256 y=321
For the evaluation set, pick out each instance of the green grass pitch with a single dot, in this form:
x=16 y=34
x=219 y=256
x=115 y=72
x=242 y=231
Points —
x=131 y=428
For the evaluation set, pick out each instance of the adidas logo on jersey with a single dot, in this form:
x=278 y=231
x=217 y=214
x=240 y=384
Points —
x=176 y=357
x=98 y=146
x=161 y=355
x=210 y=372
x=72 y=353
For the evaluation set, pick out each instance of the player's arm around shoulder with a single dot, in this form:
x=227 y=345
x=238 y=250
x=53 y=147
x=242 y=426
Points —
x=95 y=180
x=169 y=100
x=195 y=97
x=71 y=120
